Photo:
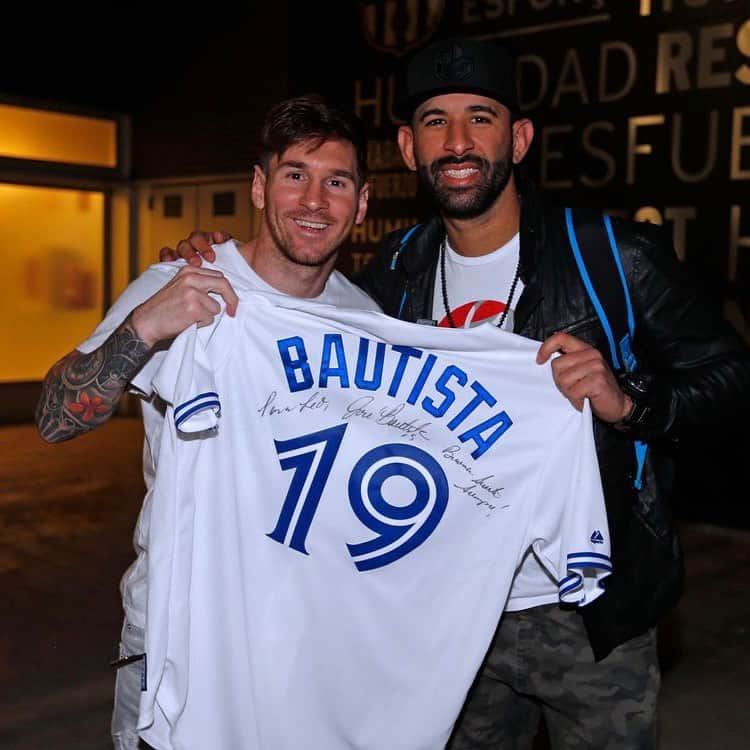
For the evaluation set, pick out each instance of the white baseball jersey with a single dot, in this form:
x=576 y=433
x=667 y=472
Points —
x=337 y=520
x=477 y=289
x=337 y=291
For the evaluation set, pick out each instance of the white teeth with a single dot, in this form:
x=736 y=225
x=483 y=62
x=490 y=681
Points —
x=460 y=173
x=310 y=224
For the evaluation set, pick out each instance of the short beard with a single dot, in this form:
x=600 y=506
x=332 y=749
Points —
x=288 y=253
x=471 y=202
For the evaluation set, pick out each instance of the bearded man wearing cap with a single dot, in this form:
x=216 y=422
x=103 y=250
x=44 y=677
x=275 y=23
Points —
x=495 y=250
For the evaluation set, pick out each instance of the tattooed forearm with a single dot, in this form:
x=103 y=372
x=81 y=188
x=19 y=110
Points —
x=82 y=390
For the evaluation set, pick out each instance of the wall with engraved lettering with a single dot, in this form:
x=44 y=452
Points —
x=641 y=108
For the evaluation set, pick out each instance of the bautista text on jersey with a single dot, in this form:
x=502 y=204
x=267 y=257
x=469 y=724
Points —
x=400 y=370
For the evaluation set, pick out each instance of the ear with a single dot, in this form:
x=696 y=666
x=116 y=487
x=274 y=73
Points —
x=258 y=190
x=406 y=144
x=364 y=196
x=523 y=135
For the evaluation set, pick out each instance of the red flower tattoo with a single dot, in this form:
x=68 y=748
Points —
x=88 y=407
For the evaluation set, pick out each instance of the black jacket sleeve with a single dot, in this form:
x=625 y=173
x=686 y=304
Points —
x=697 y=365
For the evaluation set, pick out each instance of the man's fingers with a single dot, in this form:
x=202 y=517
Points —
x=225 y=289
x=167 y=254
x=221 y=236
x=560 y=342
x=187 y=252
x=207 y=280
x=197 y=275
x=577 y=364
x=210 y=309
x=201 y=242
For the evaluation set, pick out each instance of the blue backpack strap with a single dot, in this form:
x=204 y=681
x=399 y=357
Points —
x=604 y=280
x=401 y=245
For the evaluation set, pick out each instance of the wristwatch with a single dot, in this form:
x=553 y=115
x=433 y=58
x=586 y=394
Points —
x=638 y=387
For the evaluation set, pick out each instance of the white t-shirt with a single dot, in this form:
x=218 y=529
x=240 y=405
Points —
x=478 y=287
x=478 y=291
x=338 y=291
x=344 y=535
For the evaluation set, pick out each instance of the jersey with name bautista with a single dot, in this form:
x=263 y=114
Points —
x=338 y=291
x=341 y=503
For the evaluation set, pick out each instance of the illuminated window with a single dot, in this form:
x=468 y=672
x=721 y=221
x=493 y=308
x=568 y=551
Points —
x=52 y=275
x=57 y=137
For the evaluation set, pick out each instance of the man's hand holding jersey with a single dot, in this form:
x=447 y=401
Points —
x=579 y=371
x=183 y=301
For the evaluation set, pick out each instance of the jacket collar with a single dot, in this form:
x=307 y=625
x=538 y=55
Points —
x=531 y=240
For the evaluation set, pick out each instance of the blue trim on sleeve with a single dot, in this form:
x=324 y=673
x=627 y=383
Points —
x=183 y=405
x=202 y=406
x=573 y=583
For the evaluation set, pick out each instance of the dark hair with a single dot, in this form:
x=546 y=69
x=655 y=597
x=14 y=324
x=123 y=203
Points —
x=311 y=118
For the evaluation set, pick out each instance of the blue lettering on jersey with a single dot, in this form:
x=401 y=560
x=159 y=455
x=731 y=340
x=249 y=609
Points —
x=475 y=433
x=479 y=426
x=333 y=344
x=406 y=352
x=374 y=382
x=421 y=379
x=409 y=525
x=399 y=529
x=441 y=386
x=483 y=397
x=294 y=365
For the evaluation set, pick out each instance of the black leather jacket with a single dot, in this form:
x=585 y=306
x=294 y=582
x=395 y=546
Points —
x=700 y=377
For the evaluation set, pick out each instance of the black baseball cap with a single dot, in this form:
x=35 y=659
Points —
x=456 y=66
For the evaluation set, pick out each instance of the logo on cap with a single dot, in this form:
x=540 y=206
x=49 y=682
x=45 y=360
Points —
x=452 y=64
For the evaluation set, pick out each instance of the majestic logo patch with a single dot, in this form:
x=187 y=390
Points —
x=597 y=538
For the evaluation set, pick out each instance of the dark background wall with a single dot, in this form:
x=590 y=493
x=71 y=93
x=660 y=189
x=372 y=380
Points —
x=195 y=80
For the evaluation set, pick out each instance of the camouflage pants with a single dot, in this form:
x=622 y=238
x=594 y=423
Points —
x=540 y=664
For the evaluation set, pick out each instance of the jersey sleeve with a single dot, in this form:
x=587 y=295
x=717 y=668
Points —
x=570 y=535
x=186 y=380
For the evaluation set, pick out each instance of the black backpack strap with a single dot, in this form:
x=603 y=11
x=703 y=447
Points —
x=402 y=244
x=604 y=280
x=394 y=259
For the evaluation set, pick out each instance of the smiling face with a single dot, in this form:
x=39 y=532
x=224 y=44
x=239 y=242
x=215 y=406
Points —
x=464 y=147
x=311 y=198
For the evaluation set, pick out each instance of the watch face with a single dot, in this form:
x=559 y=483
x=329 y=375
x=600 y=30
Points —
x=635 y=384
x=640 y=383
